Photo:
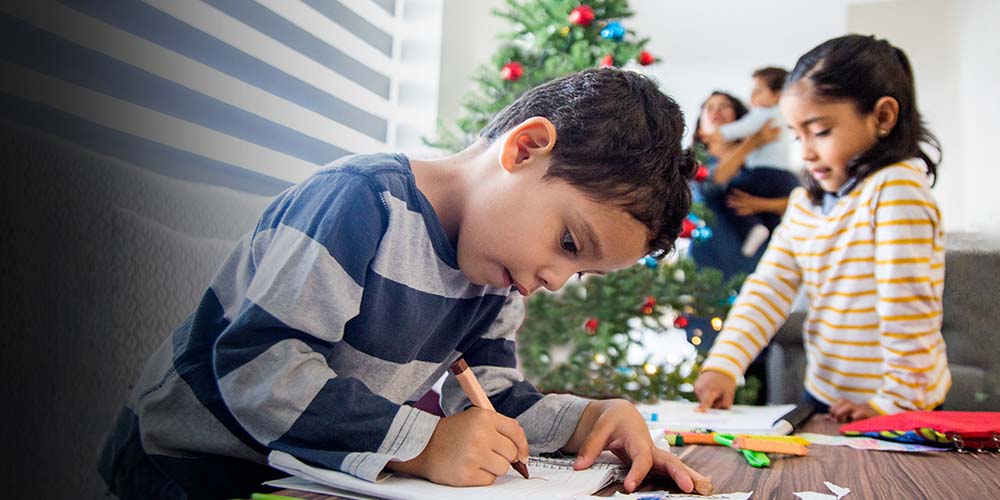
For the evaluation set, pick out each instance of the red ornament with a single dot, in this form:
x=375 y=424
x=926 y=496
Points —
x=680 y=322
x=512 y=71
x=686 y=227
x=645 y=58
x=591 y=325
x=582 y=15
x=608 y=61
x=648 y=305
x=701 y=174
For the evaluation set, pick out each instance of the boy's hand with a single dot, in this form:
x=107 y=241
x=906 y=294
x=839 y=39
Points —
x=616 y=425
x=846 y=411
x=715 y=390
x=471 y=448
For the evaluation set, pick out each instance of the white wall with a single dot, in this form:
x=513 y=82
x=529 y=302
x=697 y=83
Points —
x=716 y=44
x=979 y=113
x=955 y=52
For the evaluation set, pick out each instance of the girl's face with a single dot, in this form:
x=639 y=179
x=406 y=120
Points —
x=718 y=110
x=831 y=133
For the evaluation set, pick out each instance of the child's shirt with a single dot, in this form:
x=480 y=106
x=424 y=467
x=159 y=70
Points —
x=341 y=309
x=873 y=273
x=774 y=154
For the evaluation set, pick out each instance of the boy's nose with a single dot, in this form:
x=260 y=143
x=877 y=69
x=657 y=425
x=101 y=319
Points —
x=554 y=279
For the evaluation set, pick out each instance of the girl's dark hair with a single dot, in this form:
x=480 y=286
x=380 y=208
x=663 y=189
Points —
x=618 y=142
x=863 y=69
x=739 y=110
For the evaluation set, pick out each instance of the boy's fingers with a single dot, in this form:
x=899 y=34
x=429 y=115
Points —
x=506 y=448
x=591 y=448
x=513 y=431
x=642 y=461
x=683 y=475
x=497 y=465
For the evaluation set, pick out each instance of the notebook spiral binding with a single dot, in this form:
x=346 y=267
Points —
x=566 y=463
x=619 y=471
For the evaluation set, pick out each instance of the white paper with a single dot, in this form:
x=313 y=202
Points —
x=550 y=478
x=838 y=493
x=741 y=419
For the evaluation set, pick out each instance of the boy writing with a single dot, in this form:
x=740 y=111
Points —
x=360 y=286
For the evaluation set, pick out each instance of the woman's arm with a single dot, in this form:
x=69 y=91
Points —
x=730 y=165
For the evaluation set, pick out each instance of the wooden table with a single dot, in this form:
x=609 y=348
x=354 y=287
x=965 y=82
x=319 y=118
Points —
x=868 y=474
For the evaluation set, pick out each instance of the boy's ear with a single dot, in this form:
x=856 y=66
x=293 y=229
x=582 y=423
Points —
x=532 y=138
x=886 y=113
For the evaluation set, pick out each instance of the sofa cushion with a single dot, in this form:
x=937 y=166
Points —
x=158 y=277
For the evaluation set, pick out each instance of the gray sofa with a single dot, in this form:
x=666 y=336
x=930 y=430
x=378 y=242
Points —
x=101 y=260
x=971 y=314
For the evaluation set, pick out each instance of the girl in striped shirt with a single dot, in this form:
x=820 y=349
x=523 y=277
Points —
x=862 y=238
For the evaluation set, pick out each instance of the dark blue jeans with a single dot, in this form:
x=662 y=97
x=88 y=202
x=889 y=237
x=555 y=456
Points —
x=132 y=474
x=764 y=182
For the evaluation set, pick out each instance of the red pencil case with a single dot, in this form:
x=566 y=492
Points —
x=959 y=429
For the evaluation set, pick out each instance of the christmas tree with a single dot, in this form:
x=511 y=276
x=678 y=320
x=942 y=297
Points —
x=594 y=338
x=551 y=38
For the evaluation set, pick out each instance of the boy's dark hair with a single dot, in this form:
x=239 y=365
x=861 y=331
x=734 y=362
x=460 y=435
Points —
x=773 y=76
x=739 y=109
x=864 y=69
x=618 y=141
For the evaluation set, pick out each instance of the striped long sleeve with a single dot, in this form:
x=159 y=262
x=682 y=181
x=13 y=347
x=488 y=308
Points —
x=324 y=327
x=873 y=273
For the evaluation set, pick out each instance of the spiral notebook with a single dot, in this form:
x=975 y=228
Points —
x=550 y=478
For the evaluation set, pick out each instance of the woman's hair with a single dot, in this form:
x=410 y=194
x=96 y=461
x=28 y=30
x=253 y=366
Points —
x=618 y=142
x=739 y=109
x=863 y=69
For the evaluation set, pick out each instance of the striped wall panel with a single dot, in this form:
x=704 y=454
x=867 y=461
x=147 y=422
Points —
x=273 y=88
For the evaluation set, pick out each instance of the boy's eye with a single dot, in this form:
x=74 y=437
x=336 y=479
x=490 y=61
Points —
x=567 y=242
x=823 y=133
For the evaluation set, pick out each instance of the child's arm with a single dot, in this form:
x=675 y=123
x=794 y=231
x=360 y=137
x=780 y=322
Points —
x=748 y=124
x=310 y=255
x=762 y=306
x=729 y=166
x=909 y=273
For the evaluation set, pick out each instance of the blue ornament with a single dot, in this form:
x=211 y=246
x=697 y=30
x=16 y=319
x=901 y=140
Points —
x=613 y=31
x=732 y=298
x=650 y=262
x=701 y=234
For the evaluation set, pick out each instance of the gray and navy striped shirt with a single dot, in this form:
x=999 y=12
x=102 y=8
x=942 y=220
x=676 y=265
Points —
x=325 y=324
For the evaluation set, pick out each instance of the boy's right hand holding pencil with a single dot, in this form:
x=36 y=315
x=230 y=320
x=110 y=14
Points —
x=471 y=448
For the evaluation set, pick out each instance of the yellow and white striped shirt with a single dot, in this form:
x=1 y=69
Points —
x=873 y=271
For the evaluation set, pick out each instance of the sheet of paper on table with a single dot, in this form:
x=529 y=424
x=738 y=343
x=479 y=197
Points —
x=740 y=419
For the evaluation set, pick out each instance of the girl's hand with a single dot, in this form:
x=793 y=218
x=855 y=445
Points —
x=616 y=425
x=846 y=411
x=715 y=390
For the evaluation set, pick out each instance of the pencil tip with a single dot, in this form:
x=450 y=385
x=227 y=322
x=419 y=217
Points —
x=521 y=468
